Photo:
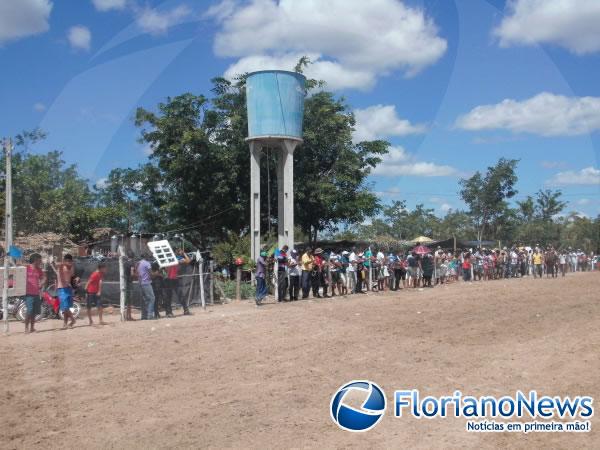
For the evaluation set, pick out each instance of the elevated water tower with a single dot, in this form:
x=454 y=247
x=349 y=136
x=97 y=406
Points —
x=275 y=104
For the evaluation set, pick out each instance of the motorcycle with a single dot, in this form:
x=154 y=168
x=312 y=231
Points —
x=50 y=307
x=14 y=305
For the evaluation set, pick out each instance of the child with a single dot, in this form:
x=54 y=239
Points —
x=35 y=280
x=93 y=290
x=64 y=278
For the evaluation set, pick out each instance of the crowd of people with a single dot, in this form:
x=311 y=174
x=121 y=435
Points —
x=297 y=275
x=353 y=271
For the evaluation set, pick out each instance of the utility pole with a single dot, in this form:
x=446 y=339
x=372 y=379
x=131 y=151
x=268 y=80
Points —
x=7 y=228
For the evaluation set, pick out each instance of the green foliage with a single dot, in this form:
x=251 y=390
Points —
x=331 y=171
x=199 y=167
x=138 y=194
x=580 y=232
x=487 y=195
x=534 y=218
x=226 y=252
x=48 y=195
x=247 y=290
x=400 y=223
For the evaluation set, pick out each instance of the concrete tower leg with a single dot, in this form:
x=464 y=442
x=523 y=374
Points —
x=285 y=186
x=255 y=154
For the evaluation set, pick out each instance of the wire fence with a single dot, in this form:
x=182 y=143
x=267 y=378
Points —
x=188 y=288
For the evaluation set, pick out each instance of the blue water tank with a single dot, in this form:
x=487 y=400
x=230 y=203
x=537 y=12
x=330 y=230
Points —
x=275 y=102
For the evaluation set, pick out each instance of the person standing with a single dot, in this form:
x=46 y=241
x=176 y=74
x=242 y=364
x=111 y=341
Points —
x=294 y=273
x=173 y=287
x=550 y=261
x=260 y=274
x=466 y=267
x=93 y=291
x=351 y=272
x=334 y=273
x=129 y=273
x=537 y=260
x=562 y=262
x=158 y=287
x=318 y=276
x=308 y=261
x=36 y=279
x=64 y=275
x=144 y=274
x=282 y=276
x=413 y=269
x=437 y=259
x=360 y=273
x=344 y=263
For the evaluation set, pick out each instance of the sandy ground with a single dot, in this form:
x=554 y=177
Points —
x=237 y=376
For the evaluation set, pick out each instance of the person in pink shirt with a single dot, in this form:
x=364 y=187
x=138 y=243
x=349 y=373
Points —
x=35 y=280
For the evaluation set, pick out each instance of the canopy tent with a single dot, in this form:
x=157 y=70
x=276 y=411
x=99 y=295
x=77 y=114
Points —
x=422 y=240
x=476 y=244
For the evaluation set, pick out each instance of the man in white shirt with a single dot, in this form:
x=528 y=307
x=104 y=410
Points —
x=351 y=272
x=294 y=274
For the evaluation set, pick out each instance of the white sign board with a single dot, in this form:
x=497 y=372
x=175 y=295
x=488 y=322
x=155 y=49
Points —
x=163 y=253
x=16 y=281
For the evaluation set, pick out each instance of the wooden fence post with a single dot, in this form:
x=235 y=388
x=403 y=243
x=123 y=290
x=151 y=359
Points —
x=238 y=283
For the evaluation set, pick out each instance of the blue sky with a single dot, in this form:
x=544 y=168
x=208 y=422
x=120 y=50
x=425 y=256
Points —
x=453 y=85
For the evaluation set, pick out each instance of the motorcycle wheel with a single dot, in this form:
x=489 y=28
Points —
x=22 y=313
x=75 y=310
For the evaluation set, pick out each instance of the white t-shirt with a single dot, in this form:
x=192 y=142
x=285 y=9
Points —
x=293 y=270
x=352 y=260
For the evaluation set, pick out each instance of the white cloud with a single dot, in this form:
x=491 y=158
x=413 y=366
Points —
x=589 y=175
x=147 y=149
x=337 y=76
x=545 y=114
x=39 y=107
x=21 y=18
x=220 y=11
x=352 y=41
x=399 y=162
x=381 y=122
x=80 y=37
x=156 y=21
x=553 y=164
x=106 y=5
x=102 y=183
x=572 y=24
x=583 y=201
x=445 y=207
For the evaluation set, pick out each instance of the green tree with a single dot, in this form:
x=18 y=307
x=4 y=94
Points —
x=47 y=193
x=526 y=210
x=330 y=170
x=138 y=196
x=400 y=223
x=548 y=204
x=487 y=195
x=454 y=224
x=200 y=158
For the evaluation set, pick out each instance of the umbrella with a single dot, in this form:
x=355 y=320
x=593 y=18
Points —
x=421 y=250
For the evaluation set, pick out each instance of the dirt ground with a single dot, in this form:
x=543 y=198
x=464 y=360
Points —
x=237 y=376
